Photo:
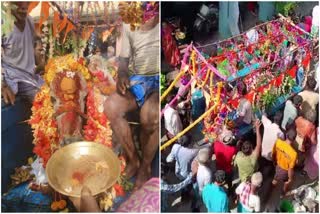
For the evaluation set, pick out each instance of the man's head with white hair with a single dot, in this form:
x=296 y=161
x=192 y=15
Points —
x=203 y=156
x=256 y=179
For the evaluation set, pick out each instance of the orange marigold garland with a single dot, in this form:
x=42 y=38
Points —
x=44 y=125
x=98 y=127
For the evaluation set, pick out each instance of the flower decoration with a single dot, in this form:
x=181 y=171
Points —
x=60 y=64
x=131 y=13
x=137 y=13
x=44 y=125
x=98 y=127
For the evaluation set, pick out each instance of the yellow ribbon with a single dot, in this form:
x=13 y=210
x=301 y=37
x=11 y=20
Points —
x=206 y=78
x=193 y=60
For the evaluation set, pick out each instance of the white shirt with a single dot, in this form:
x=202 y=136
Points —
x=254 y=200
x=183 y=157
x=172 y=121
x=271 y=133
x=245 y=110
x=203 y=177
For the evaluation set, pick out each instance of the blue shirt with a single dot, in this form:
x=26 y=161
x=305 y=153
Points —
x=215 y=199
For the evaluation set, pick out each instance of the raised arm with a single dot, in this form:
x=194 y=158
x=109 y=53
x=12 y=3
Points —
x=257 y=150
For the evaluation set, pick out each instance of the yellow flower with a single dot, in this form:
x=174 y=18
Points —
x=30 y=160
x=62 y=63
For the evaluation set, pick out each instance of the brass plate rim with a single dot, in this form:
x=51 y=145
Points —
x=79 y=144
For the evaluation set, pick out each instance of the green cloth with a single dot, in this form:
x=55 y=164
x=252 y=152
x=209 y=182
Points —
x=246 y=165
x=222 y=67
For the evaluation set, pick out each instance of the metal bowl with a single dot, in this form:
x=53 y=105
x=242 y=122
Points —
x=82 y=164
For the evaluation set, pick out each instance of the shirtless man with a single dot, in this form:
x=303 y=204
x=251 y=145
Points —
x=138 y=88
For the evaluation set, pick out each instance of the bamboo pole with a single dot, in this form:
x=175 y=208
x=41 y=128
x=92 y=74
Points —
x=168 y=143
x=182 y=72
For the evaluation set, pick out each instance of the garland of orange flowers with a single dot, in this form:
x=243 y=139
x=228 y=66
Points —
x=44 y=125
x=98 y=127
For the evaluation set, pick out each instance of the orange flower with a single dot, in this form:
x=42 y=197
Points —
x=119 y=190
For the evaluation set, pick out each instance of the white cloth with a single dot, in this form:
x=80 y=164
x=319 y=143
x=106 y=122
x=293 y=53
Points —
x=203 y=177
x=253 y=36
x=290 y=113
x=254 y=200
x=271 y=133
x=172 y=121
x=310 y=97
x=142 y=47
x=39 y=171
x=183 y=157
x=245 y=110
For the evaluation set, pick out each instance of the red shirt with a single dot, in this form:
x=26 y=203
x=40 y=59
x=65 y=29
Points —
x=224 y=154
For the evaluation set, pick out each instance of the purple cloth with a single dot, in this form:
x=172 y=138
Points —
x=146 y=199
x=311 y=165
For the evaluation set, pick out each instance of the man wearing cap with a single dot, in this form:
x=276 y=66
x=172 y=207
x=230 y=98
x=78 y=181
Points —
x=225 y=152
x=214 y=196
x=249 y=201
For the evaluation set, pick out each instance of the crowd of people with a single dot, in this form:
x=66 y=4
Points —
x=284 y=144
